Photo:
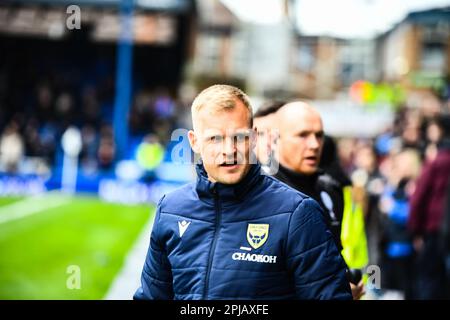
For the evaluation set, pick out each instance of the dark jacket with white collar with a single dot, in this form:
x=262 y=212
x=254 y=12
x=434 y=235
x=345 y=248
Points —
x=258 y=239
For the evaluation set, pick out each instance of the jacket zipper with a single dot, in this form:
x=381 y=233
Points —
x=213 y=247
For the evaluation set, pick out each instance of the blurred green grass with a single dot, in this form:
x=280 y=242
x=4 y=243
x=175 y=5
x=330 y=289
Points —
x=35 y=251
x=8 y=200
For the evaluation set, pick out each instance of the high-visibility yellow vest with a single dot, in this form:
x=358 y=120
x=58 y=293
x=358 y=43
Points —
x=149 y=155
x=353 y=233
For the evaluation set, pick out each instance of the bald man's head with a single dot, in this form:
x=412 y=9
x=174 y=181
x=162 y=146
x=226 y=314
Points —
x=295 y=110
x=301 y=137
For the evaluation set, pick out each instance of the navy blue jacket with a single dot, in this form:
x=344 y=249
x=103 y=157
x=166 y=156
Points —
x=258 y=239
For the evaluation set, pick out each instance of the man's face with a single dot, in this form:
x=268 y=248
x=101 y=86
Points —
x=301 y=141
x=224 y=140
x=266 y=137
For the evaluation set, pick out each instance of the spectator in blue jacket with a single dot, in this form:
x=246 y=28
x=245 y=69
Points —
x=236 y=233
x=396 y=242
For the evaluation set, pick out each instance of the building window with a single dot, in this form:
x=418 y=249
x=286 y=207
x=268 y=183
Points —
x=433 y=58
x=305 y=58
x=210 y=53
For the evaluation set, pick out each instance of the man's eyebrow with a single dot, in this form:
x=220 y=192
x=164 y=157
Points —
x=321 y=132
x=210 y=135
x=240 y=131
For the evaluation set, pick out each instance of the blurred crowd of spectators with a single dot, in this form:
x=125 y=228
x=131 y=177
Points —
x=389 y=166
x=33 y=119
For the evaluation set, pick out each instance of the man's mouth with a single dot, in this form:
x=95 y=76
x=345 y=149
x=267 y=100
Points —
x=311 y=159
x=229 y=164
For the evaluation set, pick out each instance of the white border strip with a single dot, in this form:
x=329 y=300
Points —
x=30 y=206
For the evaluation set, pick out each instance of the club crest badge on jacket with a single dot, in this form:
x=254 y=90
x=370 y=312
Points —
x=257 y=234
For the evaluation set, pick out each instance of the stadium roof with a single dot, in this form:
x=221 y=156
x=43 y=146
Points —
x=429 y=16
x=166 y=5
x=48 y=19
x=423 y=17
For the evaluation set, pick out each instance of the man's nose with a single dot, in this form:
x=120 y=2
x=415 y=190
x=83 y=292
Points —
x=229 y=146
x=313 y=142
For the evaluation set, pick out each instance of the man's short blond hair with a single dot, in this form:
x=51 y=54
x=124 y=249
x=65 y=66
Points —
x=220 y=97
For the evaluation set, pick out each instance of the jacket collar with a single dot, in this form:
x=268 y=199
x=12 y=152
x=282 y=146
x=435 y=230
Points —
x=227 y=192
x=301 y=182
x=296 y=178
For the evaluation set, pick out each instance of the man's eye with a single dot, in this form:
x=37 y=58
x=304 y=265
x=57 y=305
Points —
x=240 y=137
x=303 y=134
x=216 y=139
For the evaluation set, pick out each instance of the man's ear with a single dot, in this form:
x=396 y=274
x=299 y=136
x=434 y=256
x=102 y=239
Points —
x=193 y=141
